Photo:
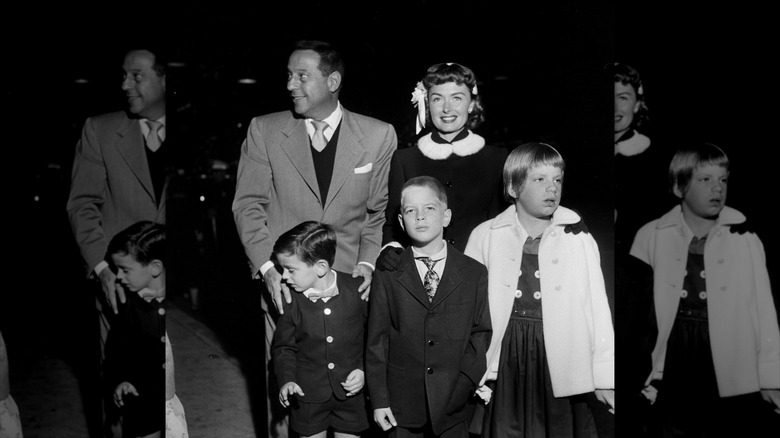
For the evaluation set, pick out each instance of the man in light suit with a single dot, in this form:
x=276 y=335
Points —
x=118 y=175
x=290 y=171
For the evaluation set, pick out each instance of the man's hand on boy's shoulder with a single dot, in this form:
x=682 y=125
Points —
x=273 y=283
x=362 y=270
x=389 y=258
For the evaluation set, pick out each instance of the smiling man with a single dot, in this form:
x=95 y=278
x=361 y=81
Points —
x=317 y=162
x=118 y=176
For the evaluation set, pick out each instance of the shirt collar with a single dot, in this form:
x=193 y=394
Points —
x=332 y=120
x=438 y=256
x=160 y=132
x=331 y=287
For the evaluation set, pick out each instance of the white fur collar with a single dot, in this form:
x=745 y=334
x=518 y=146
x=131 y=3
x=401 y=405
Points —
x=435 y=151
x=634 y=145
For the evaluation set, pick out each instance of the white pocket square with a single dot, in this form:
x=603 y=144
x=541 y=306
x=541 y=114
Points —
x=364 y=169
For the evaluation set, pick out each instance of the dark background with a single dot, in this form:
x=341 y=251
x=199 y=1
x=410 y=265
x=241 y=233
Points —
x=540 y=72
x=709 y=75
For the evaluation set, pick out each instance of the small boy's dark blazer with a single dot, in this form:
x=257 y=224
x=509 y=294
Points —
x=135 y=353
x=311 y=335
x=419 y=352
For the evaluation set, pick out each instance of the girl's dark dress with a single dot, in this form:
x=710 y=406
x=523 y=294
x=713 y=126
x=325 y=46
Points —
x=689 y=392
x=523 y=404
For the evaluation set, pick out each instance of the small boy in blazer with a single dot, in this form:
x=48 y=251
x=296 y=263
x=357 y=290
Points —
x=318 y=345
x=429 y=326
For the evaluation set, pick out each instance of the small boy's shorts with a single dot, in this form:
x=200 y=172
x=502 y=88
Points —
x=348 y=416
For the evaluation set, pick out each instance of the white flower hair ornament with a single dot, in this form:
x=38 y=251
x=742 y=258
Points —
x=418 y=99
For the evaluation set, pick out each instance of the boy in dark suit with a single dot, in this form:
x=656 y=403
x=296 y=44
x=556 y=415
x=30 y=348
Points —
x=318 y=345
x=429 y=326
x=135 y=349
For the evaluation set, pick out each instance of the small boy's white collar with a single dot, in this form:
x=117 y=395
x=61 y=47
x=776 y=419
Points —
x=331 y=287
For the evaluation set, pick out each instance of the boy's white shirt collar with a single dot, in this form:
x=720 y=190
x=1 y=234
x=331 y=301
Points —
x=151 y=295
x=439 y=255
x=422 y=269
x=331 y=286
x=332 y=120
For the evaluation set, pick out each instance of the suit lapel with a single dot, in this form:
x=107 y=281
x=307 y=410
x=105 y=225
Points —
x=409 y=278
x=128 y=139
x=450 y=277
x=296 y=146
x=348 y=153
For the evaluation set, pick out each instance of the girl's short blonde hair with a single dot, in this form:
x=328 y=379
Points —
x=524 y=158
x=689 y=158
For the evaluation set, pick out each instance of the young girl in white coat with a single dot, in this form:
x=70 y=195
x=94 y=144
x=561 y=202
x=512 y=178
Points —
x=717 y=346
x=552 y=329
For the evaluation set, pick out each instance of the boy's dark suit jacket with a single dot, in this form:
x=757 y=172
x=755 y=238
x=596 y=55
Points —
x=301 y=351
x=419 y=351
x=135 y=353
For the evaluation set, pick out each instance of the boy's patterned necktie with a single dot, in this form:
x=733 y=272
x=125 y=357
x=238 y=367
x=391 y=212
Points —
x=431 y=281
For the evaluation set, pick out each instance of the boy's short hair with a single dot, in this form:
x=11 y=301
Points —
x=426 y=181
x=310 y=241
x=689 y=158
x=144 y=241
x=524 y=158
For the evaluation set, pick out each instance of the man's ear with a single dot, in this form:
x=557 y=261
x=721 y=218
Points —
x=334 y=81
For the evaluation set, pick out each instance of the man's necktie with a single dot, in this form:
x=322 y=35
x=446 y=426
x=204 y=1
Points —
x=431 y=281
x=153 y=137
x=318 y=139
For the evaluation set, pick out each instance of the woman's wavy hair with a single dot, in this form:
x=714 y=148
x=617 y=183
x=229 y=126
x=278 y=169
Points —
x=443 y=73
x=627 y=75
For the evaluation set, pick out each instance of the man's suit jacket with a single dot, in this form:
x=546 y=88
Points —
x=111 y=184
x=277 y=187
x=416 y=350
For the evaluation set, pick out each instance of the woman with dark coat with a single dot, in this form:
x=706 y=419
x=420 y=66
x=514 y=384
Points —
x=449 y=103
